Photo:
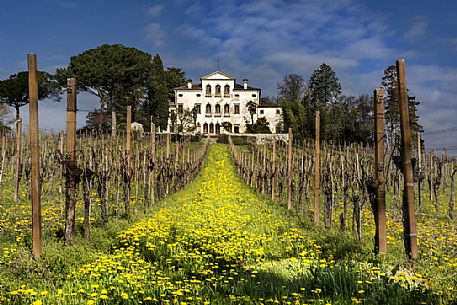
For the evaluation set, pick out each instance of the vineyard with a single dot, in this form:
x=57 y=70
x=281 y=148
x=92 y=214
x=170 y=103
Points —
x=219 y=241
x=161 y=218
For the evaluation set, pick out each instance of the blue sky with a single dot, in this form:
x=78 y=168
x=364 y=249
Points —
x=259 y=39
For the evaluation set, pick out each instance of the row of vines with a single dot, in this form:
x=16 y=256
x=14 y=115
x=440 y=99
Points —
x=106 y=185
x=346 y=176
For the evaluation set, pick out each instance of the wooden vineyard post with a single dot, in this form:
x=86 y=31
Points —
x=168 y=146
x=409 y=211
x=264 y=169
x=113 y=123
x=379 y=207
x=128 y=148
x=317 y=168
x=35 y=151
x=289 y=169
x=153 y=159
x=273 y=158
x=18 y=159
x=419 y=170
x=70 y=162
x=168 y=162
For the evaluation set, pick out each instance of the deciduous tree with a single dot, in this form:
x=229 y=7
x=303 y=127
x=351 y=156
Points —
x=292 y=88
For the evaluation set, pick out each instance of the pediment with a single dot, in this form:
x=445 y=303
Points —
x=219 y=75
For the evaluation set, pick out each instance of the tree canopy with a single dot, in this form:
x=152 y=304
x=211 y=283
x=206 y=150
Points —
x=292 y=88
x=118 y=75
x=157 y=103
x=343 y=118
x=324 y=86
x=392 y=108
x=14 y=91
x=122 y=76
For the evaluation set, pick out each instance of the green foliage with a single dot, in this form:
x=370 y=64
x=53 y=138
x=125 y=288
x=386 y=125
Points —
x=392 y=107
x=156 y=103
x=14 y=91
x=175 y=77
x=298 y=117
x=324 y=85
x=115 y=73
x=260 y=126
x=186 y=121
x=252 y=108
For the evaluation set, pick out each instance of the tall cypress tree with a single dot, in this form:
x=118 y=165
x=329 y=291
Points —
x=157 y=102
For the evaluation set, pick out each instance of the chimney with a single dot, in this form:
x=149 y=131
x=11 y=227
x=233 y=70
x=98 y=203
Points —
x=189 y=84
x=245 y=83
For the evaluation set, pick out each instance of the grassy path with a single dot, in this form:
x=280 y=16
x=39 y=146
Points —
x=217 y=242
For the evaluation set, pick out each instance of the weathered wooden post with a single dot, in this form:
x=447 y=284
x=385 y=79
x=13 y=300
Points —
x=18 y=158
x=128 y=148
x=419 y=169
x=289 y=169
x=113 y=123
x=35 y=151
x=168 y=161
x=168 y=146
x=317 y=169
x=273 y=175
x=70 y=194
x=379 y=208
x=153 y=159
x=409 y=210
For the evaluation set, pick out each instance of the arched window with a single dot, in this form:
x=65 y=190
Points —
x=208 y=90
x=205 y=128
x=211 y=128
x=218 y=90
x=218 y=108
x=208 y=108
x=226 y=90
x=218 y=128
x=226 y=109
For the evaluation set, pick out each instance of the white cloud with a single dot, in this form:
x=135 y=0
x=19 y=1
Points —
x=368 y=48
x=434 y=87
x=67 y=4
x=266 y=39
x=302 y=61
x=155 y=10
x=155 y=34
x=417 y=29
x=453 y=42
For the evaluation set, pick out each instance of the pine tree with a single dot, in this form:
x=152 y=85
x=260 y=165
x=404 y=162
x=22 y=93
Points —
x=392 y=109
x=324 y=85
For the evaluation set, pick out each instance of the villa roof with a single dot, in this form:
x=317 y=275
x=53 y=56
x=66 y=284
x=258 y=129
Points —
x=266 y=103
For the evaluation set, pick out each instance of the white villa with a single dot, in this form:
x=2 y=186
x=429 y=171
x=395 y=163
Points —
x=220 y=104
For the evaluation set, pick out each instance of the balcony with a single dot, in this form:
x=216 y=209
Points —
x=226 y=115
x=208 y=115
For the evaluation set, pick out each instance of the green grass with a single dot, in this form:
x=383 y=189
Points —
x=215 y=242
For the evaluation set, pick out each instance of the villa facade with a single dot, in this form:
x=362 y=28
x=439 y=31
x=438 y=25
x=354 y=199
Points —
x=219 y=105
